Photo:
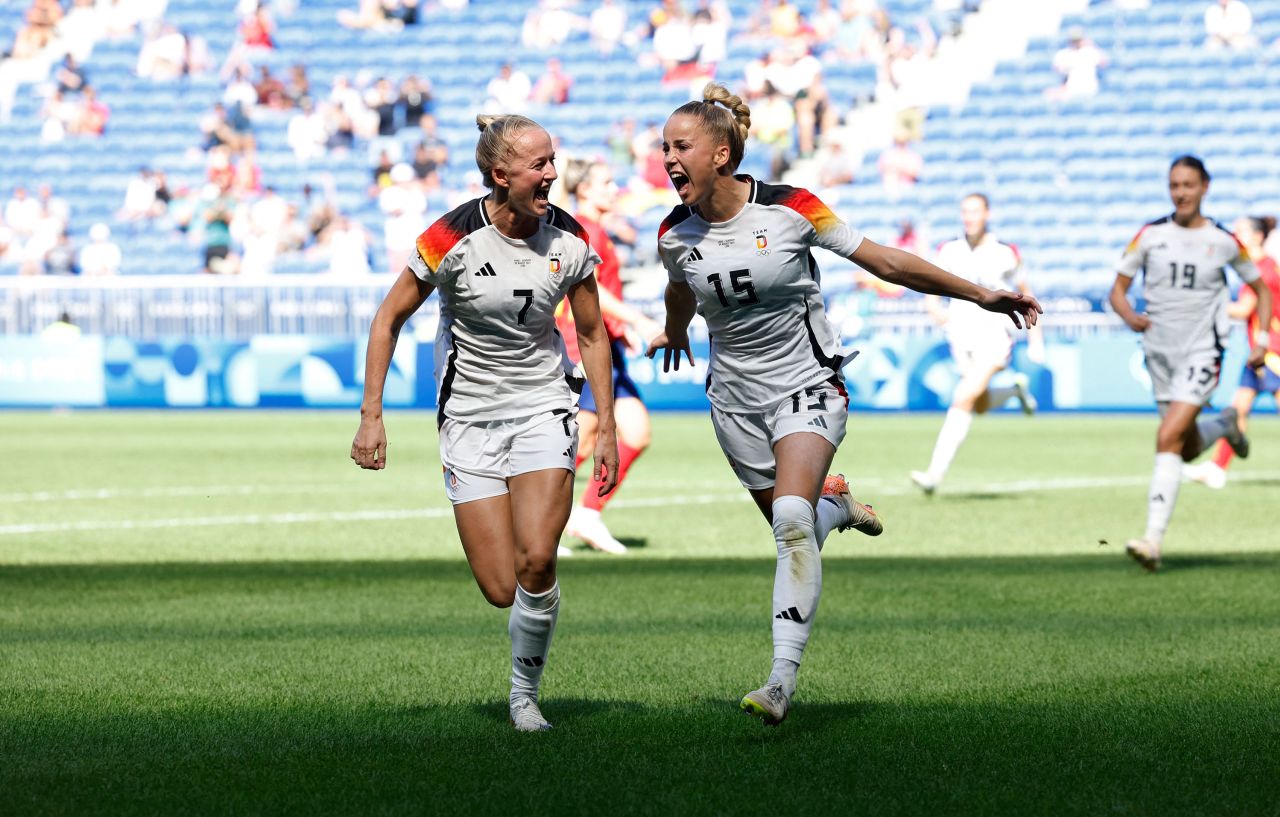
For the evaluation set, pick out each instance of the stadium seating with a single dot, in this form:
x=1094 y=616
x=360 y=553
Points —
x=1070 y=181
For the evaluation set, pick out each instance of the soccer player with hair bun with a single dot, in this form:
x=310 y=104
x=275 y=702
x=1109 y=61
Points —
x=502 y=264
x=592 y=186
x=1183 y=259
x=738 y=252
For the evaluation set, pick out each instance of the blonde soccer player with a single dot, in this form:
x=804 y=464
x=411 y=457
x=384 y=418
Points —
x=739 y=252
x=1183 y=258
x=508 y=434
x=981 y=342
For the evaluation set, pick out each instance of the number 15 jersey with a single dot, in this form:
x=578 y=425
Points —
x=1185 y=283
x=498 y=354
x=757 y=286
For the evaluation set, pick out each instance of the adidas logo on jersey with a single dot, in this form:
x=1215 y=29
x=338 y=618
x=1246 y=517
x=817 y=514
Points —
x=820 y=422
x=791 y=614
x=486 y=271
x=693 y=256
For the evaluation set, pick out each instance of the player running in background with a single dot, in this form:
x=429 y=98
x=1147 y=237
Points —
x=1252 y=232
x=502 y=264
x=1183 y=258
x=592 y=185
x=981 y=343
x=738 y=252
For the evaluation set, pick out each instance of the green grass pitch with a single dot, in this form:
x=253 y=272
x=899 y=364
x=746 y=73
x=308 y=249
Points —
x=217 y=613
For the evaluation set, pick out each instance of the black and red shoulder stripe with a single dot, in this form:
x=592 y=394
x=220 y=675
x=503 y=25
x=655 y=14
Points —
x=436 y=241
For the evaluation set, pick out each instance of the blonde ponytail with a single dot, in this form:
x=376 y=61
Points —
x=497 y=133
x=723 y=116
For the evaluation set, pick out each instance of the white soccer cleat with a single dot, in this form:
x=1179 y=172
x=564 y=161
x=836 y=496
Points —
x=925 y=482
x=860 y=517
x=768 y=703
x=1145 y=553
x=525 y=715
x=1021 y=390
x=586 y=524
x=1206 y=473
x=1234 y=436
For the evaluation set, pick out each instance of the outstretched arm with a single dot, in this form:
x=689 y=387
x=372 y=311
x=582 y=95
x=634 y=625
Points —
x=911 y=271
x=682 y=304
x=369 y=448
x=597 y=361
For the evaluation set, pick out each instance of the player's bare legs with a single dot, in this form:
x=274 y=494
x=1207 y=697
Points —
x=633 y=428
x=801 y=519
x=1214 y=472
x=971 y=395
x=510 y=542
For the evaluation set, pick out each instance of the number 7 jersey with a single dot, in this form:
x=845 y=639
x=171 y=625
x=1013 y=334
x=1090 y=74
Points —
x=497 y=353
x=1185 y=282
x=757 y=286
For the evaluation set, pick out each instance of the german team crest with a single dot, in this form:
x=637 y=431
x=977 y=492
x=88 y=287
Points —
x=761 y=242
x=555 y=271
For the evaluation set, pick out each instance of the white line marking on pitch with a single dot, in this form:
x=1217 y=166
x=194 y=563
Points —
x=169 y=492
x=1021 y=486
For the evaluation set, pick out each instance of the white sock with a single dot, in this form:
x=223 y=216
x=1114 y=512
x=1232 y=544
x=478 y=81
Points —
x=797 y=584
x=1164 y=494
x=1211 y=430
x=532 y=623
x=998 y=397
x=828 y=516
x=954 y=429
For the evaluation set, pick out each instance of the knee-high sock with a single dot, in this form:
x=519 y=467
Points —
x=1222 y=457
x=998 y=397
x=1211 y=430
x=591 y=497
x=954 y=429
x=828 y=516
x=532 y=623
x=797 y=584
x=1164 y=495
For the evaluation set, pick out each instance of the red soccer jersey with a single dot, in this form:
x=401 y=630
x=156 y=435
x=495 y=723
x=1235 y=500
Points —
x=1270 y=276
x=607 y=277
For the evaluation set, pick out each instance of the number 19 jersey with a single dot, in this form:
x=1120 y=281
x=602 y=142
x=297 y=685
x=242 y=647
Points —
x=1185 y=283
x=757 y=286
x=498 y=354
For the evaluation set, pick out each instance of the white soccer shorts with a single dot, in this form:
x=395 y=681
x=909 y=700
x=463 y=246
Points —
x=747 y=439
x=1184 y=377
x=987 y=350
x=478 y=458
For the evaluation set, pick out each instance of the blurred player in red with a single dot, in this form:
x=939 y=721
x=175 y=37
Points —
x=1252 y=232
x=592 y=185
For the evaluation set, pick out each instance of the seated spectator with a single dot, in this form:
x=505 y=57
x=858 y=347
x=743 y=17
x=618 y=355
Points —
x=382 y=99
x=61 y=259
x=195 y=59
x=140 y=202
x=270 y=90
x=80 y=29
x=101 y=256
x=405 y=208
x=381 y=174
x=348 y=243
x=59 y=116
x=216 y=128
x=674 y=46
x=54 y=205
x=772 y=123
x=509 y=91
x=307 y=132
x=94 y=114
x=710 y=33
x=70 y=76
x=607 y=25
x=371 y=14
x=1227 y=24
x=837 y=166
x=257 y=31
x=218 y=211
x=415 y=101
x=548 y=24
x=299 y=86
x=240 y=91
x=900 y=166
x=164 y=55
x=1078 y=63
x=21 y=213
x=433 y=150
x=553 y=87
x=404 y=11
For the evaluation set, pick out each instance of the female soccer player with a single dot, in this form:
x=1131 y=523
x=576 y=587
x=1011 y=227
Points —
x=591 y=183
x=1183 y=257
x=1251 y=231
x=502 y=263
x=981 y=343
x=738 y=252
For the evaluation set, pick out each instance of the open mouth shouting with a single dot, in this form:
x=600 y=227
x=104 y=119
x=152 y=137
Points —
x=541 y=193
x=681 y=183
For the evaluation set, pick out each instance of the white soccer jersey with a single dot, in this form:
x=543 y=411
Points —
x=992 y=264
x=757 y=286
x=498 y=354
x=1185 y=282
